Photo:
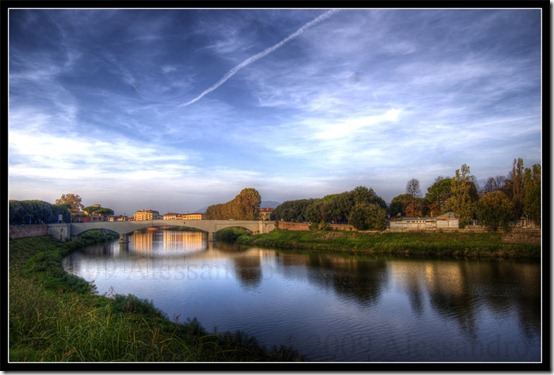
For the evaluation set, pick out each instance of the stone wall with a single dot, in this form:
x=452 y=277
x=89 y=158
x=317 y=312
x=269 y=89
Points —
x=293 y=226
x=22 y=231
x=305 y=226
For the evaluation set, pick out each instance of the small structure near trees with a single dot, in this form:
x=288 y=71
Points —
x=447 y=221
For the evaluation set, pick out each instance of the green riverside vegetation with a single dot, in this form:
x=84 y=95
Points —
x=56 y=317
x=421 y=244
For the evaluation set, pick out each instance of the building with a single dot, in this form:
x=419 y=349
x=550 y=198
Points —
x=147 y=215
x=118 y=218
x=174 y=216
x=193 y=216
x=446 y=221
x=265 y=213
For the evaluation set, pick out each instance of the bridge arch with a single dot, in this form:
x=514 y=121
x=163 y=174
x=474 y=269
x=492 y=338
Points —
x=210 y=226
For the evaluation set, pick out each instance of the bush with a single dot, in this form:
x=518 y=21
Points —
x=230 y=235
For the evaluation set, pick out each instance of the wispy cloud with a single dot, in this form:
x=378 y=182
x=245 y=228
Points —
x=260 y=55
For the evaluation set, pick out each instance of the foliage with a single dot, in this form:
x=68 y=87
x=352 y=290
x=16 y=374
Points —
x=50 y=321
x=294 y=211
x=368 y=216
x=412 y=187
x=36 y=212
x=407 y=205
x=438 y=194
x=494 y=184
x=230 y=234
x=464 y=195
x=97 y=210
x=415 y=244
x=495 y=210
x=74 y=201
x=245 y=206
x=532 y=193
x=333 y=208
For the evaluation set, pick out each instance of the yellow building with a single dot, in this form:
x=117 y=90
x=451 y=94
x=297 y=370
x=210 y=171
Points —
x=194 y=216
x=174 y=216
x=146 y=215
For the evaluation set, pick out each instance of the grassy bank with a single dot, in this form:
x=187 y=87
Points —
x=54 y=316
x=424 y=244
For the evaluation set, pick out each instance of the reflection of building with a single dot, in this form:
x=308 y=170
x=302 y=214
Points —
x=265 y=213
x=178 y=241
x=146 y=215
x=174 y=216
x=445 y=221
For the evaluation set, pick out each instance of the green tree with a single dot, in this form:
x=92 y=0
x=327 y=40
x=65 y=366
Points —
x=495 y=210
x=74 y=201
x=364 y=216
x=245 y=206
x=464 y=195
x=97 y=210
x=532 y=193
x=438 y=194
x=517 y=185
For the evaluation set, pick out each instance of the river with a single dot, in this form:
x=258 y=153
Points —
x=338 y=308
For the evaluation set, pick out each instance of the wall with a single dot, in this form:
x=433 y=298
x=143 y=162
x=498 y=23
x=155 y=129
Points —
x=293 y=226
x=22 y=231
x=60 y=232
x=305 y=226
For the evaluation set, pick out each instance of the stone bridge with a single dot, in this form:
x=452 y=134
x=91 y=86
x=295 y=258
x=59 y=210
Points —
x=123 y=228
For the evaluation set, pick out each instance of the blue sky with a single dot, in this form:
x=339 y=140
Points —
x=177 y=109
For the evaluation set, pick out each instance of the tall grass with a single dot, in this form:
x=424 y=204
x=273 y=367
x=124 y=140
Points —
x=54 y=317
x=426 y=244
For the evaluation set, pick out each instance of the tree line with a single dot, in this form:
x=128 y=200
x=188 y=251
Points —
x=68 y=206
x=502 y=200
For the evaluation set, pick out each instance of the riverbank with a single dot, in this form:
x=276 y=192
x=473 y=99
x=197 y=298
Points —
x=56 y=317
x=417 y=244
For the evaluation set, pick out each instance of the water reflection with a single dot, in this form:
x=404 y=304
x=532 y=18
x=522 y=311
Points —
x=460 y=308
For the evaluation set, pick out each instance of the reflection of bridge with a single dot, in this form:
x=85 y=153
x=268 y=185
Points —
x=67 y=231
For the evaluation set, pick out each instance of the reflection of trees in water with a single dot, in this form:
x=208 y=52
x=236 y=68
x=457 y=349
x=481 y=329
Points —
x=248 y=270
x=510 y=285
x=349 y=277
x=459 y=288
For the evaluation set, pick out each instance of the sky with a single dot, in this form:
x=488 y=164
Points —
x=178 y=109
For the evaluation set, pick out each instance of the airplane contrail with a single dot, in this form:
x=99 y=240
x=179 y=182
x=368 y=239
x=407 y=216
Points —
x=258 y=56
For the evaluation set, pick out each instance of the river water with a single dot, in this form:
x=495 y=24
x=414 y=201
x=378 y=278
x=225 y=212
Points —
x=331 y=307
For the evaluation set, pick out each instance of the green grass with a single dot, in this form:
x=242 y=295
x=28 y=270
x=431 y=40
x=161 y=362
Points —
x=425 y=244
x=55 y=317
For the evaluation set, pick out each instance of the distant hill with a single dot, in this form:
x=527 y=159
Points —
x=264 y=204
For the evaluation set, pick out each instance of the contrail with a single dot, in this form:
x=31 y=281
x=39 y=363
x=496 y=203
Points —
x=258 y=56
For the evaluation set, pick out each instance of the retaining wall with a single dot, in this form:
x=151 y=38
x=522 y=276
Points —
x=33 y=230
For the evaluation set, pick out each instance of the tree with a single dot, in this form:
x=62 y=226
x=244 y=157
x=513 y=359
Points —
x=73 y=200
x=532 y=193
x=517 y=186
x=412 y=188
x=495 y=210
x=36 y=212
x=366 y=216
x=494 y=184
x=438 y=194
x=464 y=195
x=97 y=210
x=245 y=206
